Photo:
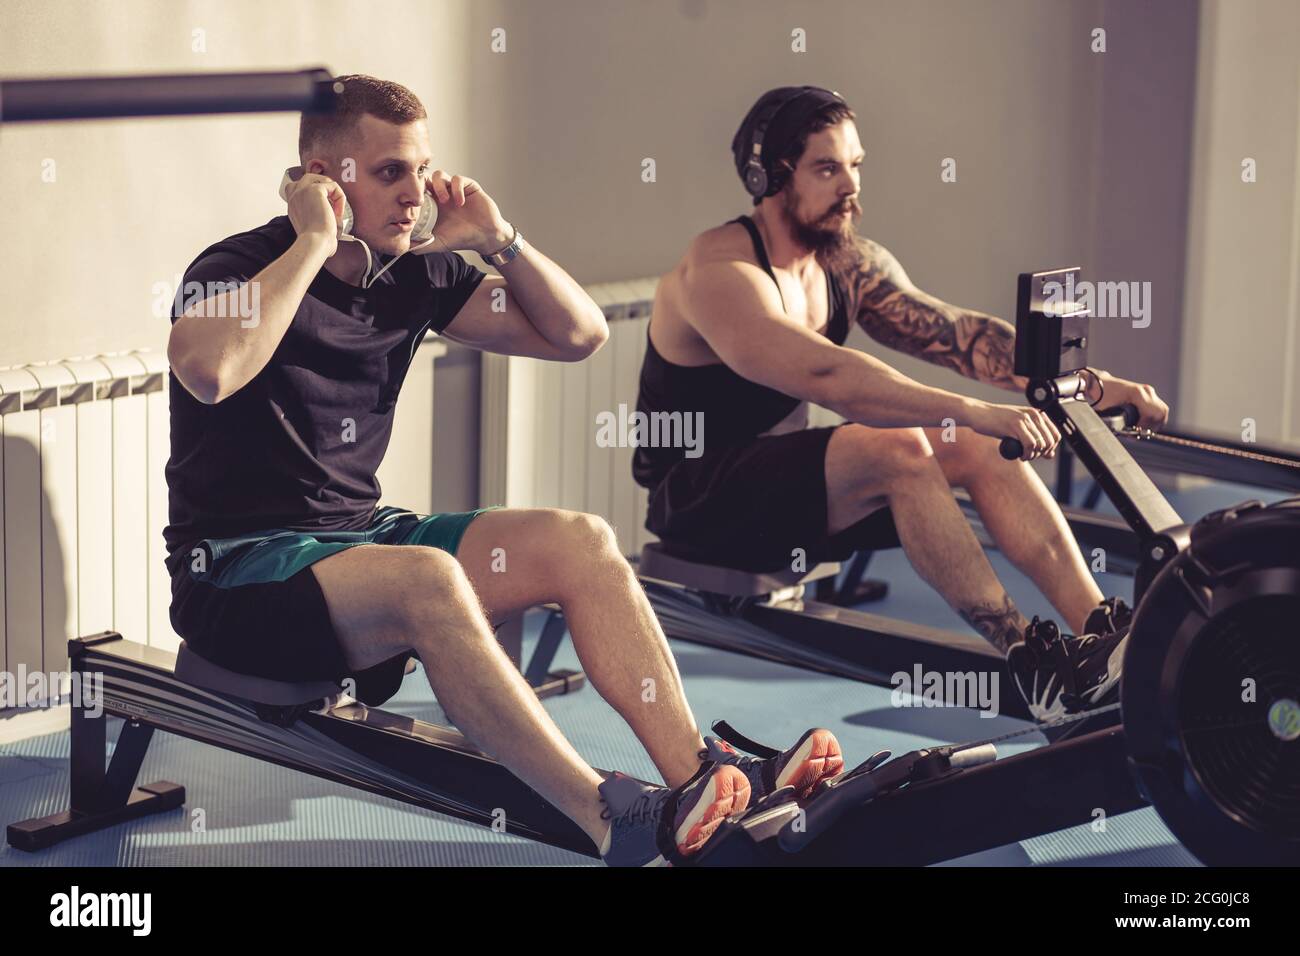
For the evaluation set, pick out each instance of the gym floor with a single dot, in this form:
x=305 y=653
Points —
x=256 y=814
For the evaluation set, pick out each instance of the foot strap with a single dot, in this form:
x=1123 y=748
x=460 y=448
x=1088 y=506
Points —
x=738 y=740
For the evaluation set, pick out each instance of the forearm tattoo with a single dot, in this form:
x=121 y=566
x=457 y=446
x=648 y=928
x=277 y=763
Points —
x=896 y=314
x=1000 y=626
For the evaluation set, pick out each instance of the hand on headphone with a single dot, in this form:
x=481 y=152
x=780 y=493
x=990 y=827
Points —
x=316 y=207
x=467 y=216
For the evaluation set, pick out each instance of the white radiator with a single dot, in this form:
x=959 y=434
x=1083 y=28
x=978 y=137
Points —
x=85 y=442
x=83 y=456
x=538 y=445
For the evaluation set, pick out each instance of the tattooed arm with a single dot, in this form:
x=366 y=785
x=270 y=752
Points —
x=896 y=313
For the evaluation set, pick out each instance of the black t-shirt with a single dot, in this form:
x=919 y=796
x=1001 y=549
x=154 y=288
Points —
x=298 y=446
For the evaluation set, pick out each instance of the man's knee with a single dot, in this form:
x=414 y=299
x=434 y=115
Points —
x=967 y=455
x=887 y=454
x=581 y=538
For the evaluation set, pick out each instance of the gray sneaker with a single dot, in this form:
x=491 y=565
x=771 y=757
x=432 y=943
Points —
x=656 y=826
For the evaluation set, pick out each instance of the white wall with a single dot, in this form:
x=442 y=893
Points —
x=135 y=200
x=1242 y=341
x=584 y=98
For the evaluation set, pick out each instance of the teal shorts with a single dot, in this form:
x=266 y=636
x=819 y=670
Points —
x=251 y=604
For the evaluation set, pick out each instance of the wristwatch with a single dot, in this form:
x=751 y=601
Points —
x=505 y=255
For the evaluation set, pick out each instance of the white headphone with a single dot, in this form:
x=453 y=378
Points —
x=421 y=233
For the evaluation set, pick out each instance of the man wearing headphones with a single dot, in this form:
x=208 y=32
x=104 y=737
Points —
x=283 y=566
x=749 y=328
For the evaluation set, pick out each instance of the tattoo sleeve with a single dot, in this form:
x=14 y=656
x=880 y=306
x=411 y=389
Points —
x=895 y=313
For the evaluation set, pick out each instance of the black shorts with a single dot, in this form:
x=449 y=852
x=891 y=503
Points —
x=750 y=506
x=252 y=604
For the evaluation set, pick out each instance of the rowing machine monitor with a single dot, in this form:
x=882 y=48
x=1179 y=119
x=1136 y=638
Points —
x=1051 y=327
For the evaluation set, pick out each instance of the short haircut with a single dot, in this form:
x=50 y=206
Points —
x=328 y=132
x=830 y=115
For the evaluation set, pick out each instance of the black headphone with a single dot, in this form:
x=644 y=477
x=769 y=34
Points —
x=756 y=180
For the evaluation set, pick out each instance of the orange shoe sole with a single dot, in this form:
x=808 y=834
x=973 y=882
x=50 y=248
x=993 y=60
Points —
x=729 y=794
x=818 y=758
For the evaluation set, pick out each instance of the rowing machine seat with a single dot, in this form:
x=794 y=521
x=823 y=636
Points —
x=196 y=670
x=657 y=562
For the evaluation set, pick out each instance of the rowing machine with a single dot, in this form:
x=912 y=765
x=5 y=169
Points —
x=309 y=727
x=1210 y=699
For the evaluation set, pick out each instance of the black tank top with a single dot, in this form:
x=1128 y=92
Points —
x=736 y=410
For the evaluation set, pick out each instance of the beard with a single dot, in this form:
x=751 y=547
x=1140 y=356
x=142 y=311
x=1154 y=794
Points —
x=831 y=238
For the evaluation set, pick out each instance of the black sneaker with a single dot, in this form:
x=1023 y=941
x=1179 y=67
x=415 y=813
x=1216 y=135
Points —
x=1109 y=616
x=1062 y=674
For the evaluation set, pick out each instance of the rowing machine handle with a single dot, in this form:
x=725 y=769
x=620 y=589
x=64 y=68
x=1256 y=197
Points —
x=1121 y=417
x=1125 y=416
